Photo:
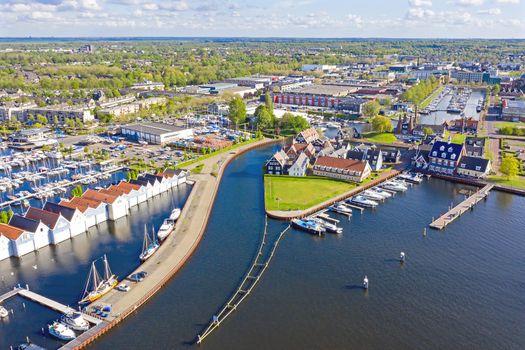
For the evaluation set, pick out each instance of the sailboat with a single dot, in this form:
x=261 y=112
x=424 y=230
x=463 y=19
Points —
x=96 y=286
x=149 y=246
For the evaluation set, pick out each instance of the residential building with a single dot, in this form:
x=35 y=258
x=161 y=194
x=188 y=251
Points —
x=309 y=135
x=317 y=68
x=474 y=167
x=445 y=156
x=38 y=230
x=463 y=125
x=344 y=169
x=218 y=108
x=76 y=219
x=155 y=133
x=5 y=245
x=148 y=85
x=94 y=211
x=20 y=241
x=475 y=146
x=277 y=164
x=117 y=206
x=61 y=112
x=299 y=167
x=437 y=130
x=59 y=227
x=467 y=76
x=374 y=157
x=297 y=149
x=513 y=110
x=391 y=155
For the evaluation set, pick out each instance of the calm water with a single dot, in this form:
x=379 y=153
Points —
x=59 y=272
x=462 y=288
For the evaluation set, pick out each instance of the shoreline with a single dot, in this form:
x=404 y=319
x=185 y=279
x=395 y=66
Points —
x=186 y=238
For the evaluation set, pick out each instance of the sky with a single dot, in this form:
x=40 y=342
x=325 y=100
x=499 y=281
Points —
x=264 y=18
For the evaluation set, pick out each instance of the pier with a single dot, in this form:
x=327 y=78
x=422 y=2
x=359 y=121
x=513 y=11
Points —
x=259 y=266
x=461 y=208
x=52 y=304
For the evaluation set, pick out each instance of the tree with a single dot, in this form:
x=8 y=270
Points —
x=3 y=217
x=237 y=113
x=268 y=102
x=10 y=214
x=381 y=124
x=77 y=191
x=510 y=166
x=427 y=131
x=371 y=109
x=263 y=117
x=295 y=122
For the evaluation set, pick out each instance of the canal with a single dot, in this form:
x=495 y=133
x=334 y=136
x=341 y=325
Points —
x=462 y=288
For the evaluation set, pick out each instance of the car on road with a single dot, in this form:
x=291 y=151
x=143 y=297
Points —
x=136 y=277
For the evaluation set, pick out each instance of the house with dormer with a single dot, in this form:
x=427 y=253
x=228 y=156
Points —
x=444 y=157
x=373 y=156
x=344 y=169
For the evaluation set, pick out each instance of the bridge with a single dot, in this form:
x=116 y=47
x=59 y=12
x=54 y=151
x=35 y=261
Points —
x=254 y=274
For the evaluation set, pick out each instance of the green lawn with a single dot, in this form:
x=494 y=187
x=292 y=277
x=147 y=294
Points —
x=509 y=124
x=380 y=137
x=458 y=138
x=298 y=193
x=502 y=180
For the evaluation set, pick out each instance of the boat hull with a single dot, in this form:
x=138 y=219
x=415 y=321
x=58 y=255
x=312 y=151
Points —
x=93 y=298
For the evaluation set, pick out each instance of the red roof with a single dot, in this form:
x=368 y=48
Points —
x=10 y=232
x=340 y=163
x=98 y=196
x=48 y=218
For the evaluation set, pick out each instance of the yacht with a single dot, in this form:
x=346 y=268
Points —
x=175 y=213
x=413 y=178
x=3 y=312
x=394 y=186
x=61 y=331
x=341 y=209
x=96 y=286
x=328 y=226
x=363 y=202
x=381 y=192
x=365 y=282
x=75 y=321
x=149 y=246
x=308 y=226
x=372 y=195
x=168 y=225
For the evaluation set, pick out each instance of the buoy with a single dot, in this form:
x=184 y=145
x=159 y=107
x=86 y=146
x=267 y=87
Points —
x=365 y=282
x=402 y=257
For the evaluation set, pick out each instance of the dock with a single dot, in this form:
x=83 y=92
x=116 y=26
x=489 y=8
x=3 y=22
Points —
x=52 y=304
x=461 y=208
x=254 y=274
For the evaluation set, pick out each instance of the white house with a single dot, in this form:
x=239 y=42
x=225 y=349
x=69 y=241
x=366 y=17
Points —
x=94 y=211
x=153 y=181
x=146 y=186
x=117 y=206
x=76 y=219
x=300 y=165
x=39 y=230
x=59 y=227
x=21 y=242
x=5 y=246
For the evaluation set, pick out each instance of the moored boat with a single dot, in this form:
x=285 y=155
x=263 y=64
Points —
x=149 y=246
x=75 y=321
x=3 y=312
x=328 y=226
x=381 y=192
x=308 y=226
x=61 y=331
x=394 y=186
x=341 y=209
x=363 y=202
x=372 y=195
x=96 y=286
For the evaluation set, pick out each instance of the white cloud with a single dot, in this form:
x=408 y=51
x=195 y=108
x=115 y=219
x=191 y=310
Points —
x=492 y=11
x=420 y=3
x=507 y=1
x=469 y=2
x=419 y=13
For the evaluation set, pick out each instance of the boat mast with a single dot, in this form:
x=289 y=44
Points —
x=107 y=270
x=92 y=280
x=145 y=243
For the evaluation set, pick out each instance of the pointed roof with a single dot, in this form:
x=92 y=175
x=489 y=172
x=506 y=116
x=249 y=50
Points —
x=65 y=211
x=99 y=196
x=49 y=218
x=24 y=223
x=10 y=232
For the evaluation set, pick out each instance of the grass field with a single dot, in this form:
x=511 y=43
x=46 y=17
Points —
x=297 y=193
x=509 y=124
x=380 y=137
x=458 y=138
x=502 y=180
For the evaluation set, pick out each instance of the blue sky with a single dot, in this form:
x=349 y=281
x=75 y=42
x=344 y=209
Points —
x=263 y=18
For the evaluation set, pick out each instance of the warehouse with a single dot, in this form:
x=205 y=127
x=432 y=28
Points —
x=155 y=133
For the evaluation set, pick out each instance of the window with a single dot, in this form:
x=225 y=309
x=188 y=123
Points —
x=452 y=156
x=450 y=150
x=434 y=154
x=478 y=168
x=443 y=155
x=442 y=148
x=462 y=165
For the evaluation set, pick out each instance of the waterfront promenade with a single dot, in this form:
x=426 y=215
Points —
x=177 y=248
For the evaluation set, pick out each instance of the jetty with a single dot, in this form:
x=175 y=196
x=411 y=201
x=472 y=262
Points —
x=50 y=303
x=461 y=208
x=254 y=274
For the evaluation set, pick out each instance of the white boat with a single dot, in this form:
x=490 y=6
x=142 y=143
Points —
x=61 y=331
x=341 y=209
x=175 y=213
x=96 y=287
x=328 y=226
x=394 y=186
x=365 y=283
x=168 y=225
x=381 y=192
x=3 y=312
x=372 y=195
x=413 y=178
x=149 y=246
x=75 y=321
x=364 y=202
x=402 y=257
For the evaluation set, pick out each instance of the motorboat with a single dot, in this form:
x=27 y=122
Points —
x=363 y=202
x=97 y=286
x=3 y=312
x=381 y=192
x=372 y=195
x=413 y=178
x=394 y=186
x=175 y=214
x=402 y=257
x=75 y=321
x=328 y=226
x=308 y=226
x=341 y=209
x=61 y=331
x=150 y=246
x=168 y=225
x=365 y=282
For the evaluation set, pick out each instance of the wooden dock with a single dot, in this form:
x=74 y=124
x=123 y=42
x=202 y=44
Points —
x=40 y=299
x=259 y=266
x=461 y=208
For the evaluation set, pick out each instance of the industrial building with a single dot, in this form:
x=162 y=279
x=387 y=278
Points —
x=155 y=133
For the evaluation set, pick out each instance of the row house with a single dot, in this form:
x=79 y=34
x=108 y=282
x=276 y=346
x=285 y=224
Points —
x=19 y=242
x=94 y=211
x=37 y=230
x=5 y=245
x=145 y=186
x=59 y=227
x=373 y=156
x=344 y=169
x=276 y=165
x=444 y=157
x=76 y=218
x=116 y=206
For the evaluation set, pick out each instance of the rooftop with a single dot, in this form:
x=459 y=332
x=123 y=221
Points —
x=340 y=163
x=153 y=128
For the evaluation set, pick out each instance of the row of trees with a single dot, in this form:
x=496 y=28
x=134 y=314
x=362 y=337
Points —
x=5 y=216
x=77 y=191
x=418 y=93
x=509 y=130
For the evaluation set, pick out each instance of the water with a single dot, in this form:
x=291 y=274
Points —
x=462 y=288
x=439 y=117
x=61 y=270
